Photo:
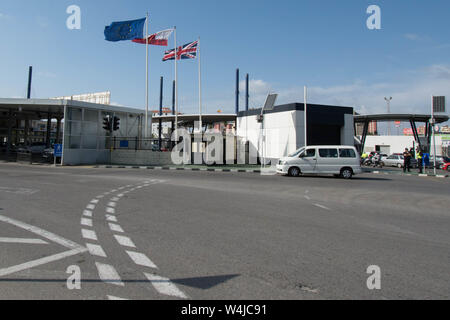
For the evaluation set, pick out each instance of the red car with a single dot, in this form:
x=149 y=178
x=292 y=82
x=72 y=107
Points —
x=446 y=166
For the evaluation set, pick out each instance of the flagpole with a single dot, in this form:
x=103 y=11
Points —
x=146 y=79
x=176 y=84
x=200 y=87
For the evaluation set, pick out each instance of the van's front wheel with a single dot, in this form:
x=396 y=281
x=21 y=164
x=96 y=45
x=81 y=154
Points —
x=346 y=173
x=294 y=172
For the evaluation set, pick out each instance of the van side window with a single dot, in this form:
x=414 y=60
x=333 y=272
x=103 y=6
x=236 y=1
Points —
x=347 y=153
x=310 y=153
x=328 y=153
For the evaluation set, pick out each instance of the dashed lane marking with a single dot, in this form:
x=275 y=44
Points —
x=111 y=218
x=321 y=206
x=86 y=222
x=108 y=274
x=115 y=227
x=95 y=201
x=89 y=234
x=87 y=213
x=165 y=286
x=125 y=241
x=111 y=210
x=90 y=207
x=96 y=250
x=115 y=298
x=141 y=259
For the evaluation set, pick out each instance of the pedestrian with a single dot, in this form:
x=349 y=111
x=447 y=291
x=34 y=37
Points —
x=419 y=160
x=413 y=154
x=406 y=160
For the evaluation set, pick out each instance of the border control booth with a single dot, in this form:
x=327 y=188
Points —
x=79 y=127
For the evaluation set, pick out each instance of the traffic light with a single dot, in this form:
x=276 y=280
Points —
x=107 y=123
x=116 y=124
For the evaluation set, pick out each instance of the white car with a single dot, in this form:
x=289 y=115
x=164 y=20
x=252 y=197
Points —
x=343 y=161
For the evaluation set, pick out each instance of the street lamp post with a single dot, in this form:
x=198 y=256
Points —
x=388 y=101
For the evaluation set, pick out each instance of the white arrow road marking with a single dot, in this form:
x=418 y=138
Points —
x=74 y=248
x=21 y=240
x=45 y=234
x=165 y=286
x=38 y=262
x=141 y=259
x=108 y=274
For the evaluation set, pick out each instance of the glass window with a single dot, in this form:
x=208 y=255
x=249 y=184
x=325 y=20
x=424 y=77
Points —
x=328 y=153
x=347 y=153
x=90 y=115
x=73 y=114
x=310 y=153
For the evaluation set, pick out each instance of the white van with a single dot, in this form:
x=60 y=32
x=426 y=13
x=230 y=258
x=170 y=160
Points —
x=343 y=161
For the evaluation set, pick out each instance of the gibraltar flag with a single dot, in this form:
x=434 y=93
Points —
x=157 y=39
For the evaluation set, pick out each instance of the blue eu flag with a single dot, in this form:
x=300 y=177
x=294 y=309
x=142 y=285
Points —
x=125 y=30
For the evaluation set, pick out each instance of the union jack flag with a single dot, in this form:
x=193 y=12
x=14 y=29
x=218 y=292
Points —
x=188 y=51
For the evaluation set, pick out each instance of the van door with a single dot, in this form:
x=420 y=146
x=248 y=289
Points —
x=308 y=161
x=328 y=160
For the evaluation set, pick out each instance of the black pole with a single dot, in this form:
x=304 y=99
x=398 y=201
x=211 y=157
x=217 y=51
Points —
x=30 y=76
x=247 y=95
x=160 y=112
x=237 y=91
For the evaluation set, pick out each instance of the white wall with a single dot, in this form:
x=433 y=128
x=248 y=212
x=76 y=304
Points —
x=397 y=143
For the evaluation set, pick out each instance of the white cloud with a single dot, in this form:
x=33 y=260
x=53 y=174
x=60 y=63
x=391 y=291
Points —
x=411 y=92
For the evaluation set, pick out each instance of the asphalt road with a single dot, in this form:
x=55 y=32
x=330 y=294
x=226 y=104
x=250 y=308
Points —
x=144 y=234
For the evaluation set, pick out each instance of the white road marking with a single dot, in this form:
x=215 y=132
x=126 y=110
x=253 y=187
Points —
x=139 y=187
x=120 y=195
x=23 y=191
x=86 y=222
x=22 y=240
x=115 y=199
x=129 y=186
x=116 y=228
x=111 y=218
x=96 y=250
x=111 y=210
x=141 y=259
x=114 y=190
x=321 y=206
x=165 y=286
x=87 y=213
x=307 y=197
x=45 y=234
x=112 y=204
x=90 y=207
x=115 y=298
x=125 y=241
x=108 y=274
x=89 y=234
x=94 y=201
x=100 y=197
x=38 y=262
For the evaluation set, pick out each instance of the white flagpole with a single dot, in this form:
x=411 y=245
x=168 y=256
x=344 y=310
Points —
x=199 y=86
x=306 y=118
x=176 y=83
x=146 y=80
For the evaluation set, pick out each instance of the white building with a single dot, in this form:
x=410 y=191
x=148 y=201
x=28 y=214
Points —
x=285 y=128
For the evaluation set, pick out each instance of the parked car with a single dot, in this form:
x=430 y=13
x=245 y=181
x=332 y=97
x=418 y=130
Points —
x=341 y=161
x=397 y=160
x=446 y=166
x=440 y=161
x=34 y=148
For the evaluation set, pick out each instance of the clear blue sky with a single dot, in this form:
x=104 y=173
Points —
x=283 y=45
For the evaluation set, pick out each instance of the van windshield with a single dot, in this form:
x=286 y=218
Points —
x=297 y=153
